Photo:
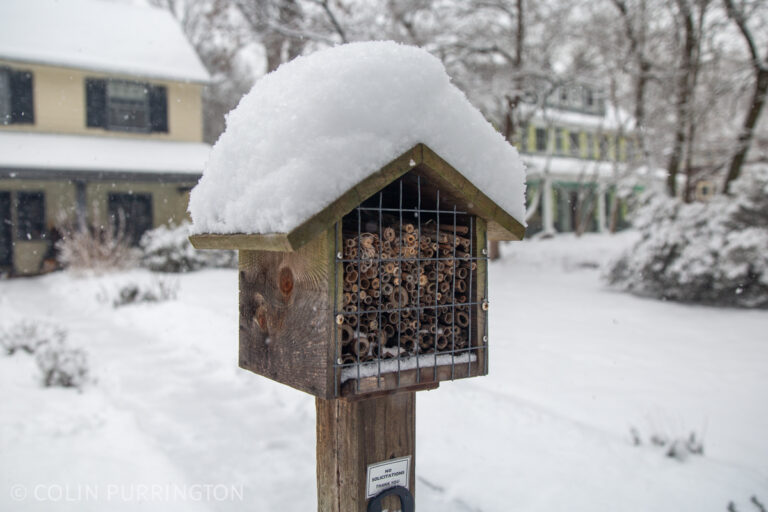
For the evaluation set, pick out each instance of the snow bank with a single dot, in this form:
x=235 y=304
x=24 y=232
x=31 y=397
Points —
x=318 y=125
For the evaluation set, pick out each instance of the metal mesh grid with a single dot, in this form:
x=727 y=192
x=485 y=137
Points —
x=408 y=270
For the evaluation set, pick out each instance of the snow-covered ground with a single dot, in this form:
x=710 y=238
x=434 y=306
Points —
x=171 y=423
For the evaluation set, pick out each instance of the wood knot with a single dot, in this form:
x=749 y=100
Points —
x=285 y=281
x=261 y=319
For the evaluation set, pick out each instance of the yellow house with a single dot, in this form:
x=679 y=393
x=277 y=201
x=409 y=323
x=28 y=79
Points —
x=100 y=120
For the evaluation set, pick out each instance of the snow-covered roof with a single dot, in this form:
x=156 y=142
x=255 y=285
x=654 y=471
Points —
x=576 y=168
x=570 y=167
x=613 y=118
x=319 y=125
x=24 y=150
x=102 y=36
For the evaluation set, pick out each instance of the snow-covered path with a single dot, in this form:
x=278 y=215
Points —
x=573 y=368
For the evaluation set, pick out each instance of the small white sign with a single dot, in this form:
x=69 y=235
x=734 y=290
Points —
x=383 y=475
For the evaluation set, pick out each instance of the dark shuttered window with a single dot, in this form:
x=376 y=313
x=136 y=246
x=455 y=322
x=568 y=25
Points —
x=122 y=105
x=158 y=108
x=130 y=214
x=96 y=103
x=16 y=97
x=30 y=212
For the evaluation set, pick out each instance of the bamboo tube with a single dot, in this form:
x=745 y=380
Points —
x=388 y=234
x=462 y=273
x=348 y=359
x=461 y=285
x=347 y=334
x=442 y=342
x=408 y=343
x=350 y=277
x=462 y=230
x=361 y=346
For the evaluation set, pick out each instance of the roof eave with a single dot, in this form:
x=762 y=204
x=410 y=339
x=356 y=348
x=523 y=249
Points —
x=501 y=225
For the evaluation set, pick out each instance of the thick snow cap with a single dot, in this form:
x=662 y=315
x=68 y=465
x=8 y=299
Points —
x=320 y=124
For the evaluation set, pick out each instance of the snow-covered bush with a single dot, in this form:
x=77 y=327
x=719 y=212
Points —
x=28 y=336
x=96 y=248
x=59 y=364
x=62 y=365
x=156 y=290
x=168 y=250
x=674 y=447
x=714 y=253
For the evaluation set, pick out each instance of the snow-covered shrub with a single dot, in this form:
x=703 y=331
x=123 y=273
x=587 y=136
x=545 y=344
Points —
x=28 y=336
x=59 y=364
x=96 y=248
x=62 y=365
x=714 y=253
x=156 y=290
x=674 y=447
x=168 y=250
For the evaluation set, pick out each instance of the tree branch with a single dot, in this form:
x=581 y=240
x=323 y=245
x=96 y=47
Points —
x=738 y=18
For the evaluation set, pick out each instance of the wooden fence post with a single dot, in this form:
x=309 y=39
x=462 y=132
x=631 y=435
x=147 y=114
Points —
x=351 y=434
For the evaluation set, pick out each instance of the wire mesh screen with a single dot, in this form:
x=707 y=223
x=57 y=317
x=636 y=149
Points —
x=408 y=265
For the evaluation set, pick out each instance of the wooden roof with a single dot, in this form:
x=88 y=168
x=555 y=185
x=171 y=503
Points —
x=451 y=183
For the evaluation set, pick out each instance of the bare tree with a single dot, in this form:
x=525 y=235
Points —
x=757 y=101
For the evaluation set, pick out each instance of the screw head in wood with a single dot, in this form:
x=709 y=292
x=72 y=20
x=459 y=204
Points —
x=339 y=255
x=485 y=251
x=485 y=305
x=339 y=319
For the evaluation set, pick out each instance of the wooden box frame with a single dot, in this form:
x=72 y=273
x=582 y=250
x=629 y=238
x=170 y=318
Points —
x=288 y=297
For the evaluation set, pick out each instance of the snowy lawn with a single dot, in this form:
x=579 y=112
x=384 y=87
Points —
x=574 y=368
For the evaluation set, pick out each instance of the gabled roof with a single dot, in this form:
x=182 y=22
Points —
x=451 y=183
x=100 y=36
x=323 y=125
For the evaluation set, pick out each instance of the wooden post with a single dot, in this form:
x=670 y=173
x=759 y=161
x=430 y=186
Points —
x=351 y=434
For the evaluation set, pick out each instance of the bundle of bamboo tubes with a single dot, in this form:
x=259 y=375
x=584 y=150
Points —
x=406 y=292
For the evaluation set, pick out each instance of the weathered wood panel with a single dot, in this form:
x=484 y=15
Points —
x=286 y=317
x=479 y=316
x=353 y=434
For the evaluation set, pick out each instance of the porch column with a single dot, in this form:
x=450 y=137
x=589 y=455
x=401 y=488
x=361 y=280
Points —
x=547 y=210
x=602 y=225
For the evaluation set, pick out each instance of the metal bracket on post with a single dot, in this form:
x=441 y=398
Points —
x=406 y=499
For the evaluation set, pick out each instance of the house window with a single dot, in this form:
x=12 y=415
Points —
x=30 y=212
x=16 y=98
x=559 y=142
x=574 y=145
x=606 y=147
x=126 y=106
x=631 y=150
x=590 y=146
x=524 y=138
x=130 y=215
x=589 y=98
x=541 y=140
